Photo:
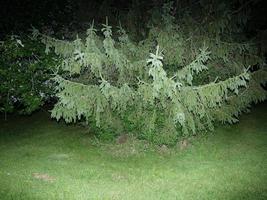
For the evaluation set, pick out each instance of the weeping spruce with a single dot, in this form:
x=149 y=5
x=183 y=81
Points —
x=158 y=92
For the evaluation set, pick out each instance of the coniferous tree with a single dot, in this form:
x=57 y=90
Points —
x=160 y=87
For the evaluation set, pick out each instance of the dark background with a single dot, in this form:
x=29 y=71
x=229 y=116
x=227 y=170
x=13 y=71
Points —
x=17 y=16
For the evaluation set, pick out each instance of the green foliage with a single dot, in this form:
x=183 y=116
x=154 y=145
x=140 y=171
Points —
x=112 y=79
x=24 y=75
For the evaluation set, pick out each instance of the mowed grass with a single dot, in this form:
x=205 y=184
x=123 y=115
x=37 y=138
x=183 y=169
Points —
x=43 y=159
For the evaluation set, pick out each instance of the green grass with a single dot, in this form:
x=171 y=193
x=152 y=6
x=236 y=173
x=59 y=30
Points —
x=229 y=164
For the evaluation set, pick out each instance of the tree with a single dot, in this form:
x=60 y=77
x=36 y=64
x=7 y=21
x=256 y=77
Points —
x=151 y=86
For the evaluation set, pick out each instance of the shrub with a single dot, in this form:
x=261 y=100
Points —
x=25 y=71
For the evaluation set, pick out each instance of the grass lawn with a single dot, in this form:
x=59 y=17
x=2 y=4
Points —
x=42 y=159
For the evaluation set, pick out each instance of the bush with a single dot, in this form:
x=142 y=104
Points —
x=25 y=71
